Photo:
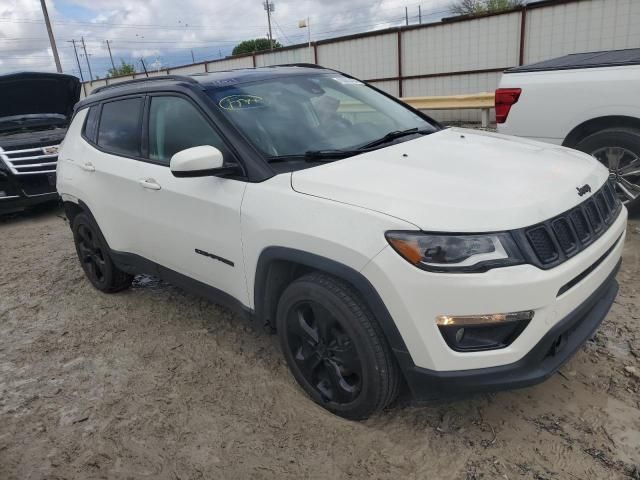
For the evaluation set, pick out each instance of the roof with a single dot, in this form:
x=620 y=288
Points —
x=218 y=79
x=243 y=75
x=204 y=80
x=609 y=58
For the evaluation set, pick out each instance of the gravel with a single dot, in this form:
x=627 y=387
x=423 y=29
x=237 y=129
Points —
x=157 y=383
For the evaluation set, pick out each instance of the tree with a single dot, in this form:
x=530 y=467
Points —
x=480 y=7
x=255 y=45
x=123 y=69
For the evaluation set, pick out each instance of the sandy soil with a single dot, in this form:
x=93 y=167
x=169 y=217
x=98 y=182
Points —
x=156 y=383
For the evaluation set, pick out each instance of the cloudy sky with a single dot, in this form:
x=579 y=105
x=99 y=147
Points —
x=165 y=32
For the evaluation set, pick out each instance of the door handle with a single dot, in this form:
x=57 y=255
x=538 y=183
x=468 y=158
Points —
x=150 y=184
x=88 y=167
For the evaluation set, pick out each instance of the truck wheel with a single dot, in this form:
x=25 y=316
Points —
x=618 y=149
x=335 y=348
x=93 y=254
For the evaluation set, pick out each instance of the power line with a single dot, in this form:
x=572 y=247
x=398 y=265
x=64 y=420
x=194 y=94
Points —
x=282 y=32
x=192 y=26
x=159 y=46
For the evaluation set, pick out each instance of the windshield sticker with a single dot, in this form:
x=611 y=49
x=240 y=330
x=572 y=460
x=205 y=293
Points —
x=241 y=102
x=347 y=81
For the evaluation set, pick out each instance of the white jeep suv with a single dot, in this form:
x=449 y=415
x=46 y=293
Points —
x=382 y=248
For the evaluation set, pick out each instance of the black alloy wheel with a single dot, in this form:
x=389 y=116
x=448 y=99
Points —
x=90 y=254
x=335 y=348
x=95 y=258
x=324 y=352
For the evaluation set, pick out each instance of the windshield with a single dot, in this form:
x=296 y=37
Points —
x=295 y=115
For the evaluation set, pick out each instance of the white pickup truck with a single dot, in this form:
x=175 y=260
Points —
x=586 y=101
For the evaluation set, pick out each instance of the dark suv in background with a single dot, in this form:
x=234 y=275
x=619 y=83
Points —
x=35 y=109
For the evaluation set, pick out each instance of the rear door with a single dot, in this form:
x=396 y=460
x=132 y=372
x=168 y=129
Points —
x=105 y=169
x=191 y=225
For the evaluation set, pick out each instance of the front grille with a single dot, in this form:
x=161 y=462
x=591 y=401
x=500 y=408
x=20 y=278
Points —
x=542 y=244
x=29 y=161
x=556 y=240
x=566 y=239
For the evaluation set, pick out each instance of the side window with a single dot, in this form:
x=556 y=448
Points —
x=175 y=125
x=119 y=130
x=91 y=123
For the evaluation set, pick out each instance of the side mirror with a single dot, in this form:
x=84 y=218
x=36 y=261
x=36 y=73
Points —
x=200 y=161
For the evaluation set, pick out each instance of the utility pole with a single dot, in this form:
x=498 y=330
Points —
x=419 y=14
x=144 y=67
x=52 y=40
x=111 y=56
x=269 y=7
x=193 y=58
x=84 y=47
x=406 y=15
x=75 y=50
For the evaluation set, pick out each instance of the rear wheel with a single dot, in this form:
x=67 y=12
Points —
x=618 y=149
x=94 y=257
x=335 y=348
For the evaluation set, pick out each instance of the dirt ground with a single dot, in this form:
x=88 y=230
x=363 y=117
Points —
x=156 y=383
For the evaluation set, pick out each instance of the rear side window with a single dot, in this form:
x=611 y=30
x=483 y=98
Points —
x=91 y=123
x=119 y=130
x=175 y=125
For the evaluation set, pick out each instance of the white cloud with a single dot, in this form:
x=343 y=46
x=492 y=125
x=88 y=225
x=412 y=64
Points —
x=168 y=30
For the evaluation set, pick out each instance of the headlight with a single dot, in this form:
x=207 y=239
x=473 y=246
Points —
x=456 y=253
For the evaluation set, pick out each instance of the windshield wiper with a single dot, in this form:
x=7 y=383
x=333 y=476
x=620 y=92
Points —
x=394 y=135
x=329 y=155
x=316 y=156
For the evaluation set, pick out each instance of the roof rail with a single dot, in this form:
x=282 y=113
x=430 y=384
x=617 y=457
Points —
x=306 y=65
x=183 y=78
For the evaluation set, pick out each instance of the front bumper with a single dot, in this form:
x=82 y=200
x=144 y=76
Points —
x=20 y=192
x=559 y=344
x=414 y=298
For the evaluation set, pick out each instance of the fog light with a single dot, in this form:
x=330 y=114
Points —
x=468 y=333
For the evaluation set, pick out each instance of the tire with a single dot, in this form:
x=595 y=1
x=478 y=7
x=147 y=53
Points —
x=618 y=149
x=335 y=348
x=93 y=253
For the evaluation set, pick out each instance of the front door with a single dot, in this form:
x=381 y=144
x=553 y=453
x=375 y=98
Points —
x=191 y=225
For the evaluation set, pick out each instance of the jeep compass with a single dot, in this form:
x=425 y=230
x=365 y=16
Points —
x=384 y=249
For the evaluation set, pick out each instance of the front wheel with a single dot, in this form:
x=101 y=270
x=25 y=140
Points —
x=335 y=348
x=618 y=149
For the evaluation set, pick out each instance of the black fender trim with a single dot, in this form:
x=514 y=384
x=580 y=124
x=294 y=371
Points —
x=348 y=274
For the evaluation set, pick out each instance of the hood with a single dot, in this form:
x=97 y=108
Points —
x=459 y=180
x=30 y=93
